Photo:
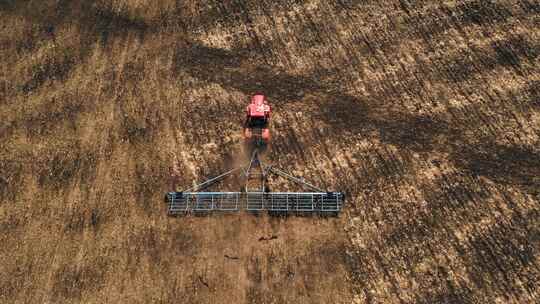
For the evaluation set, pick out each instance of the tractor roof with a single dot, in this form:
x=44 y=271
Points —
x=258 y=106
x=258 y=99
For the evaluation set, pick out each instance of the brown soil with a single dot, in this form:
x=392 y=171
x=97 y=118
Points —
x=426 y=113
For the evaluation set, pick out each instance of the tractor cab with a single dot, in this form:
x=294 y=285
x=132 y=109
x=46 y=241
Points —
x=257 y=120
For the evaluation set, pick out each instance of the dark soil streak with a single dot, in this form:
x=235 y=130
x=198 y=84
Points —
x=425 y=114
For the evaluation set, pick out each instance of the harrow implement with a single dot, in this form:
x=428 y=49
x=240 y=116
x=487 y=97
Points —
x=255 y=196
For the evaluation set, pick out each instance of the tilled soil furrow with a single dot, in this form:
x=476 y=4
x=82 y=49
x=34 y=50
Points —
x=425 y=114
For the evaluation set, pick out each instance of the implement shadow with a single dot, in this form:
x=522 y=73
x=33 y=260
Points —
x=510 y=165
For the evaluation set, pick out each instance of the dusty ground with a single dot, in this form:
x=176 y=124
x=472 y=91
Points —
x=426 y=113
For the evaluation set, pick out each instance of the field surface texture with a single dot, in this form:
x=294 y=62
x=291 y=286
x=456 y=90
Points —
x=425 y=113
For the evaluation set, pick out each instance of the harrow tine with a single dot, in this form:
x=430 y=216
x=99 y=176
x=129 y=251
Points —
x=285 y=202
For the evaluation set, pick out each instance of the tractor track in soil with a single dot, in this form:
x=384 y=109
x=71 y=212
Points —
x=427 y=114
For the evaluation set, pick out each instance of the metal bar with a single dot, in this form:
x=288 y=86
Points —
x=212 y=180
x=255 y=164
x=254 y=156
x=294 y=179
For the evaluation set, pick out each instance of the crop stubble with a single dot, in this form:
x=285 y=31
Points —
x=426 y=113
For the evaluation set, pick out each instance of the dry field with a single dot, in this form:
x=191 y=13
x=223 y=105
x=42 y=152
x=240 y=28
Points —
x=426 y=113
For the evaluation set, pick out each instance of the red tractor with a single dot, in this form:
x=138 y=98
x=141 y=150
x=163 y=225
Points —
x=257 y=120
